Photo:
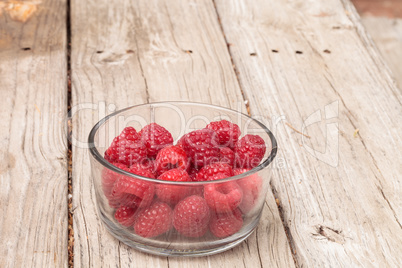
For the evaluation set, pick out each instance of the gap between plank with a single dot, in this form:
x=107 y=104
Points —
x=70 y=245
x=245 y=99
x=247 y=103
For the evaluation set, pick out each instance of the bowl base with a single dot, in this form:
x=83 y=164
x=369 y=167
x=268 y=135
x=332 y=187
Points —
x=170 y=249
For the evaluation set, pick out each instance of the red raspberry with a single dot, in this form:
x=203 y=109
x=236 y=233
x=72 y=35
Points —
x=171 y=157
x=201 y=146
x=154 y=220
x=251 y=186
x=226 y=224
x=191 y=216
x=249 y=151
x=131 y=192
x=192 y=172
x=180 y=141
x=109 y=177
x=227 y=132
x=155 y=138
x=223 y=197
x=196 y=190
x=238 y=171
x=226 y=155
x=125 y=216
x=140 y=169
x=173 y=193
x=126 y=148
x=146 y=163
x=214 y=171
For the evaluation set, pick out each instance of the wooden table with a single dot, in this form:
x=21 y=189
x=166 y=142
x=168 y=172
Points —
x=306 y=68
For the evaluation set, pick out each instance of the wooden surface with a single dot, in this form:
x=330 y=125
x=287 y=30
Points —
x=387 y=34
x=135 y=53
x=343 y=210
x=307 y=69
x=33 y=151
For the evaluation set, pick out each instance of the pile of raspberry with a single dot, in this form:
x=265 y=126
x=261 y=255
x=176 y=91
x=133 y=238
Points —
x=151 y=209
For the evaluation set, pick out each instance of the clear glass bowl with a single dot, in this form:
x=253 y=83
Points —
x=180 y=118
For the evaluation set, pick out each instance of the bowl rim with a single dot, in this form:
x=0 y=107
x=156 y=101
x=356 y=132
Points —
x=99 y=158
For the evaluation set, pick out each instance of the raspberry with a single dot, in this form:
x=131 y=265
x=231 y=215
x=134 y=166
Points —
x=142 y=170
x=191 y=216
x=154 y=220
x=201 y=146
x=155 y=137
x=214 y=171
x=228 y=133
x=180 y=141
x=146 y=163
x=251 y=186
x=238 y=171
x=249 y=151
x=125 y=216
x=226 y=224
x=173 y=193
x=192 y=172
x=109 y=177
x=223 y=197
x=226 y=155
x=126 y=148
x=171 y=157
x=128 y=191
x=196 y=190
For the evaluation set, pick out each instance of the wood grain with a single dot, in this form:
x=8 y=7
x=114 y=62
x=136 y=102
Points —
x=387 y=35
x=133 y=52
x=295 y=58
x=33 y=170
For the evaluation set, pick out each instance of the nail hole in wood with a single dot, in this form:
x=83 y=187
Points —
x=188 y=51
x=99 y=51
x=336 y=27
x=274 y=50
x=327 y=51
x=253 y=54
x=129 y=51
x=299 y=52
x=26 y=48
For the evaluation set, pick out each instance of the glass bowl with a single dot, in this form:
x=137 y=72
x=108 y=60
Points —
x=180 y=118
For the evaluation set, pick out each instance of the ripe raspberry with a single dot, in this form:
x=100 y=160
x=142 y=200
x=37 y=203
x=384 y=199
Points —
x=142 y=170
x=226 y=224
x=227 y=132
x=192 y=172
x=171 y=157
x=196 y=190
x=146 y=163
x=249 y=151
x=180 y=141
x=109 y=177
x=238 y=171
x=223 y=197
x=125 y=216
x=173 y=193
x=153 y=220
x=155 y=137
x=191 y=216
x=131 y=192
x=251 y=186
x=201 y=146
x=214 y=171
x=226 y=155
x=126 y=148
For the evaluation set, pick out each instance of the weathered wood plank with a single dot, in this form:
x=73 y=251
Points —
x=387 y=35
x=134 y=52
x=33 y=165
x=312 y=63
